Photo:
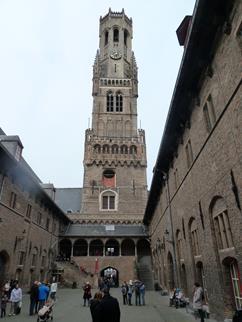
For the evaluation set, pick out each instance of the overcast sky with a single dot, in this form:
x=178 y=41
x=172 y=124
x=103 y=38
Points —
x=47 y=49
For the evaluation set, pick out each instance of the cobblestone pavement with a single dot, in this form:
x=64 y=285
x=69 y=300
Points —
x=69 y=308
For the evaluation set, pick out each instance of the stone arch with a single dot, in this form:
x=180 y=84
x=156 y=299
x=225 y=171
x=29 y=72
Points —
x=4 y=265
x=112 y=247
x=80 y=247
x=96 y=248
x=128 y=247
x=170 y=270
x=65 y=247
x=143 y=248
x=232 y=284
x=111 y=274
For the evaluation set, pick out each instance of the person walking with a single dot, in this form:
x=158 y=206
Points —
x=34 y=298
x=198 y=299
x=87 y=293
x=94 y=305
x=15 y=299
x=142 y=293
x=53 y=289
x=43 y=294
x=4 y=301
x=124 y=290
x=130 y=292
x=137 y=292
x=108 y=309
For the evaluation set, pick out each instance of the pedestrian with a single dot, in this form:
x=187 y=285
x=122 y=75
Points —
x=130 y=292
x=137 y=292
x=6 y=288
x=142 y=293
x=87 y=293
x=124 y=290
x=53 y=289
x=94 y=304
x=198 y=299
x=16 y=300
x=43 y=294
x=108 y=309
x=4 y=301
x=34 y=298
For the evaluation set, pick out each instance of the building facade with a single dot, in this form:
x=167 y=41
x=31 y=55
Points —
x=30 y=221
x=114 y=192
x=195 y=201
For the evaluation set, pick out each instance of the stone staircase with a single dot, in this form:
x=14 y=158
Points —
x=144 y=272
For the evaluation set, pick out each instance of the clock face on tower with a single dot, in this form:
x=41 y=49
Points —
x=115 y=54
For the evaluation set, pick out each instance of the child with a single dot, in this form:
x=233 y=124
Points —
x=4 y=301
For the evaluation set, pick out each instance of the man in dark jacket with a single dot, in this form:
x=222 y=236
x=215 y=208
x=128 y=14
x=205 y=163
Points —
x=34 y=298
x=108 y=309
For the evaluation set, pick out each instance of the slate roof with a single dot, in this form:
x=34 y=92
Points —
x=69 y=199
x=105 y=230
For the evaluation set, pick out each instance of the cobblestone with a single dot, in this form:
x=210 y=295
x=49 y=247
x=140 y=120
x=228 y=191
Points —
x=69 y=307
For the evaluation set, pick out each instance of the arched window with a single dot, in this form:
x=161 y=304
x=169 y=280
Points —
x=119 y=102
x=108 y=200
x=125 y=37
x=194 y=238
x=124 y=149
x=133 y=149
x=106 y=148
x=115 y=149
x=112 y=248
x=109 y=102
x=97 y=148
x=106 y=38
x=96 y=248
x=115 y=35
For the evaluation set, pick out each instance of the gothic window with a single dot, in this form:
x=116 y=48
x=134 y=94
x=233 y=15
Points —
x=133 y=149
x=124 y=149
x=119 y=102
x=209 y=114
x=189 y=153
x=106 y=148
x=97 y=148
x=194 y=238
x=106 y=38
x=108 y=200
x=221 y=224
x=236 y=284
x=125 y=37
x=109 y=102
x=115 y=35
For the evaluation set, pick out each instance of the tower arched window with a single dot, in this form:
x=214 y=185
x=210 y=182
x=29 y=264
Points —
x=125 y=37
x=116 y=35
x=119 y=102
x=106 y=38
x=108 y=200
x=109 y=102
x=124 y=149
x=133 y=149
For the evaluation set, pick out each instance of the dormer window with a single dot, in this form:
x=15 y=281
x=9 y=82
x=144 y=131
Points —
x=116 y=35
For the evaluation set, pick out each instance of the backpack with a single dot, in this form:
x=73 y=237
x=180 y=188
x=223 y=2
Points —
x=124 y=290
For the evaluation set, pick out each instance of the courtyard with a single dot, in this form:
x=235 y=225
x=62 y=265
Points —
x=69 y=307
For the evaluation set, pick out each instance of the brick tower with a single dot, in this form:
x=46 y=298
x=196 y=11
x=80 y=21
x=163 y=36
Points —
x=115 y=186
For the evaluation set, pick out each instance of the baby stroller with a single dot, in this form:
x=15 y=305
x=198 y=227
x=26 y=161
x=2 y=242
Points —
x=46 y=313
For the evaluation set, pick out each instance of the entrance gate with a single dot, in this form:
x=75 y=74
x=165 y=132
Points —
x=111 y=275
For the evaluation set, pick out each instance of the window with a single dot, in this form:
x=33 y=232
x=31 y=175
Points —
x=106 y=38
x=110 y=102
x=125 y=37
x=223 y=230
x=115 y=35
x=237 y=287
x=28 y=211
x=39 y=218
x=115 y=149
x=124 y=149
x=133 y=149
x=21 y=258
x=194 y=238
x=97 y=148
x=209 y=114
x=13 y=199
x=189 y=154
x=106 y=148
x=119 y=102
x=108 y=200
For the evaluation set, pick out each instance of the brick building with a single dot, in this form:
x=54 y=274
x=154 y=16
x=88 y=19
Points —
x=194 y=206
x=30 y=221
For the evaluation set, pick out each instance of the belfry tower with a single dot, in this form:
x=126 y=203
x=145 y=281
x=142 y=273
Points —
x=115 y=187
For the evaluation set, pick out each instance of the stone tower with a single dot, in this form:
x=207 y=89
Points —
x=115 y=187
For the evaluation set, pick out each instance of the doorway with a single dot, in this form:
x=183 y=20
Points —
x=110 y=275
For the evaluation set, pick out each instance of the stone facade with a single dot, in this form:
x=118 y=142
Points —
x=194 y=207
x=30 y=221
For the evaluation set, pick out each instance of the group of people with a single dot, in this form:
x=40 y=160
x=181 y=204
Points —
x=136 y=287
x=11 y=293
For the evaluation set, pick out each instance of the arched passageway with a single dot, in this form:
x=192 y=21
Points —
x=110 y=276
x=80 y=247
x=112 y=248
x=65 y=247
x=96 y=248
x=4 y=263
x=128 y=247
